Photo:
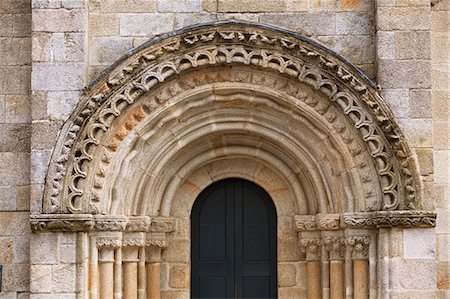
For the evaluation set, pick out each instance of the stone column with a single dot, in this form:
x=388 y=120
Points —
x=93 y=269
x=153 y=265
x=130 y=260
x=106 y=266
x=359 y=246
x=336 y=248
x=313 y=249
x=118 y=273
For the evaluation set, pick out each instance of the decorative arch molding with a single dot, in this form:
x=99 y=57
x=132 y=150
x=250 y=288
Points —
x=242 y=68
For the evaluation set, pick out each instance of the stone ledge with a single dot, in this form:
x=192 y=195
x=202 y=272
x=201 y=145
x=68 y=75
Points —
x=87 y=223
x=379 y=219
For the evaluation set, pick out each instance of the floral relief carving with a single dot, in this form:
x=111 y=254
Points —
x=312 y=247
x=336 y=247
x=359 y=245
x=74 y=164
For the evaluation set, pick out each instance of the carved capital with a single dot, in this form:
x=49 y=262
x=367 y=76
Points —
x=312 y=247
x=305 y=222
x=162 y=224
x=108 y=242
x=328 y=221
x=336 y=247
x=359 y=245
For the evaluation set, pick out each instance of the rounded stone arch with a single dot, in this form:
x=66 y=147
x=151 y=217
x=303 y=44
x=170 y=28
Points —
x=224 y=60
x=221 y=100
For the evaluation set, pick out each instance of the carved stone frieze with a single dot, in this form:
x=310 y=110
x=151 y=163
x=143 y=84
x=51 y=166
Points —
x=328 y=221
x=108 y=242
x=359 y=245
x=389 y=219
x=138 y=223
x=76 y=178
x=305 y=222
x=312 y=247
x=162 y=224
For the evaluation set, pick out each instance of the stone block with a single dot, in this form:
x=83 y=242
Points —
x=178 y=252
x=443 y=275
x=41 y=278
x=8 y=295
x=419 y=243
x=406 y=272
x=39 y=105
x=106 y=50
x=22 y=249
x=440 y=105
x=103 y=24
x=440 y=21
x=355 y=23
x=440 y=76
x=179 y=5
x=18 y=51
x=59 y=20
x=14 y=223
x=209 y=5
x=359 y=49
x=419 y=131
x=170 y=294
x=6 y=25
x=17 y=166
x=355 y=5
x=398 y=101
x=179 y=277
x=420 y=103
x=407 y=73
x=443 y=247
x=39 y=163
x=60 y=104
x=15 y=6
x=401 y=3
x=252 y=17
x=16 y=277
x=64 y=278
x=403 y=18
x=293 y=293
x=441 y=169
x=145 y=24
x=58 y=47
x=69 y=4
x=58 y=76
x=297 y=5
x=17 y=109
x=288 y=250
x=68 y=247
x=6 y=250
x=7 y=203
x=440 y=44
x=287 y=275
x=251 y=6
x=441 y=135
x=304 y=23
x=108 y=6
x=442 y=221
x=184 y=20
x=21 y=25
x=385 y=45
x=15 y=79
x=425 y=158
x=44 y=249
x=36 y=193
x=412 y=45
x=44 y=134
x=15 y=138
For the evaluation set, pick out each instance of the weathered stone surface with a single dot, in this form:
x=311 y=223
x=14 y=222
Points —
x=108 y=6
x=287 y=275
x=420 y=130
x=39 y=163
x=420 y=102
x=403 y=18
x=44 y=134
x=18 y=50
x=425 y=158
x=179 y=277
x=41 y=279
x=68 y=248
x=15 y=138
x=352 y=23
x=61 y=104
x=305 y=23
x=16 y=277
x=6 y=24
x=22 y=249
x=58 y=76
x=22 y=25
x=44 y=249
x=398 y=101
x=7 y=200
x=179 y=5
x=6 y=250
x=405 y=272
x=410 y=73
x=104 y=50
x=18 y=165
x=59 y=20
x=178 y=251
x=251 y=6
x=412 y=45
x=360 y=49
x=14 y=224
x=15 y=79
x=419 y=244
x=184 y=20
x=289 y=250
x=17 y=109
x=440 y=106
x=441 y=135
x=15 y=6
x=105 y=24
x=147 y=24
x=64 y=278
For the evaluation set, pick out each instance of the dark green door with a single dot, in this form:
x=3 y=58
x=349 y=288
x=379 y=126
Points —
x=233 y=229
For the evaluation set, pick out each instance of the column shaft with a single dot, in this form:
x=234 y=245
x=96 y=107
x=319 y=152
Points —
x=314 y=279
x=130 y=272
x=361 y=279
x=336 y=279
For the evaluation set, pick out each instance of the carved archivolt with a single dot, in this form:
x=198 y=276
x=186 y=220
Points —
x=161 y=84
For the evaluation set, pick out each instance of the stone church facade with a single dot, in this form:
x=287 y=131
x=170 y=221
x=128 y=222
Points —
x=118 y=116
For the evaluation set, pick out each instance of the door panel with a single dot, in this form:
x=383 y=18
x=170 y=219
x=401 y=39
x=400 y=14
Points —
x=233 y=226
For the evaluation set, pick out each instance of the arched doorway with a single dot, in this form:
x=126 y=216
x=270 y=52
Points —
x=234 y=252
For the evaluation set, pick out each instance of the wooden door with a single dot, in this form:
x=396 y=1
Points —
x=233 y=229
